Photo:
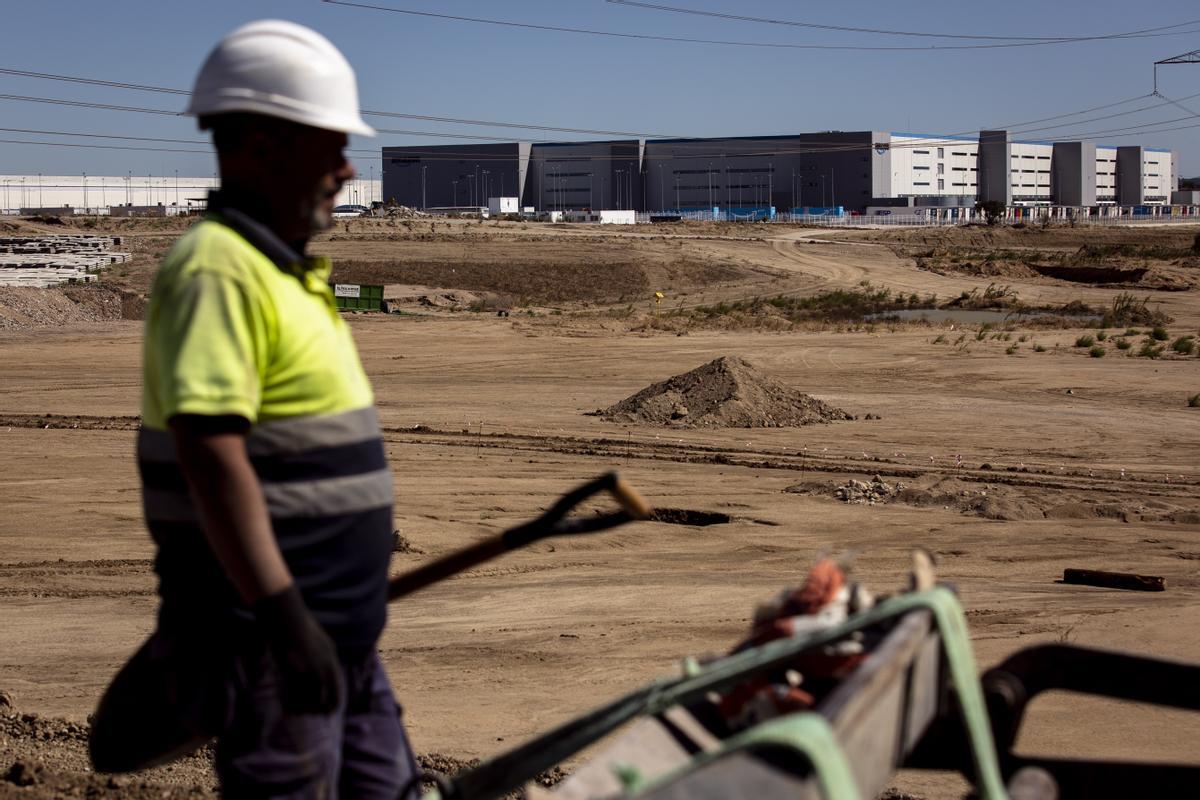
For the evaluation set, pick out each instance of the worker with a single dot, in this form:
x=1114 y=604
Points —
x=265 y=483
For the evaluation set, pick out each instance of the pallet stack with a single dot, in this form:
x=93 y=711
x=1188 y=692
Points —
x=44 y=261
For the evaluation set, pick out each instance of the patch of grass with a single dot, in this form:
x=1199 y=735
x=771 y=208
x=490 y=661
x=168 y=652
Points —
x=1023 y=338
x=992 y=296
x=1085 y=341
x=1126 y=309
x=1184 y=345
x=1039 y=348
x=1098 y=352
x=837 y=304
x=1132 y=332
x=1124 y=344
x=1011 y=349
x=941 y=339
x=1194 y=401
x=1149 y=350
x=1159 y=334
x=1101 y=335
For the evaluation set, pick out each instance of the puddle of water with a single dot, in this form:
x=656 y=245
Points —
x=969 y=316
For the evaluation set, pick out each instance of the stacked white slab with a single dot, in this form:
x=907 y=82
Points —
x=44 y=261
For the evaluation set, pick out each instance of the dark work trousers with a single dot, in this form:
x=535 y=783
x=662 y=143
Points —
x=358 y=751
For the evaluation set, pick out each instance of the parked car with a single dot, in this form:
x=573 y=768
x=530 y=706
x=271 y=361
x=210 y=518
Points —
x=349 y=211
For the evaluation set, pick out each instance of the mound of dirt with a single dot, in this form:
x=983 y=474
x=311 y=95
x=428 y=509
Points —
x=27 y=308
x=726 y=393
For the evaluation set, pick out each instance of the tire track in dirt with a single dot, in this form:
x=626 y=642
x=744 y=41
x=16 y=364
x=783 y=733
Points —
x=1034 y=475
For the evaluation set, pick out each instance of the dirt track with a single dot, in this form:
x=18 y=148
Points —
x=485 y=425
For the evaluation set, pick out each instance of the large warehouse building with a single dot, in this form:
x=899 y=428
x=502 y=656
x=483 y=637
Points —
x=853 y=170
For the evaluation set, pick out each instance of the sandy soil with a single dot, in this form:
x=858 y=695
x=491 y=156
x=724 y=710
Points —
x=486 y=424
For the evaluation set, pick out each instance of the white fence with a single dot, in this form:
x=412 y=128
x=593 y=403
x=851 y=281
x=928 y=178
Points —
x=1188 y=215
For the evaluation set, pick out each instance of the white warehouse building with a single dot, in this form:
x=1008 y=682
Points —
x=1039 y=173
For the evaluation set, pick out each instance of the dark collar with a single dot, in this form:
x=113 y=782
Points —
x=260 y=236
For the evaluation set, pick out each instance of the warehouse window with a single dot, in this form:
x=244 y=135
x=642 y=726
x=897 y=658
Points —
x=941 y=152
x=920 y=167
x=941 y=184
x=920 y=152
x=920 y=183
x=959 y=153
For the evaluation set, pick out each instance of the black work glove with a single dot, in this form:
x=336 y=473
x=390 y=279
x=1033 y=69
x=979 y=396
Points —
x=310 y=676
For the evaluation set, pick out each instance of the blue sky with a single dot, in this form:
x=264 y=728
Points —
x=457 y=69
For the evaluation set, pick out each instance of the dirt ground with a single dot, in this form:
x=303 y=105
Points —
x=1017 y=465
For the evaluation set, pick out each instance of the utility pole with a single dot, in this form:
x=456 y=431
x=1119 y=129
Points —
x=423 y=203
x=85 y=203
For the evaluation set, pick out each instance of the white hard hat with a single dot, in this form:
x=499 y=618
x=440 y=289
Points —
x=280 y=69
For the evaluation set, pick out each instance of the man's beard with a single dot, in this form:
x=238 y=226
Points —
x=319 y=219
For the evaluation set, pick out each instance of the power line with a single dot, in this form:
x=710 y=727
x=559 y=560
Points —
x=82 y=104
x=391 y=114
x=728 y=43
x=1154 y=107
x=1012 y=125
x=105 y=147
x=887 y=32
x=450 y=120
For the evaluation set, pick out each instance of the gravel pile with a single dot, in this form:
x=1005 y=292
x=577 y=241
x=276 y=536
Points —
x=27 y=308
x=729 y=392
x=860 y=493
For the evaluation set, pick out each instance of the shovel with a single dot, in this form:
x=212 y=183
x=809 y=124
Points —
x=550 y=523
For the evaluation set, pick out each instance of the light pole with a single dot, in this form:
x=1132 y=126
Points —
x=662 y=195
x=41 y=203
x=423 y=168
x=770 y=187
x=823 y=190
x=455 y=184
x=85 y=203
x=177 y=192
x=677 y=206
x=486 y=191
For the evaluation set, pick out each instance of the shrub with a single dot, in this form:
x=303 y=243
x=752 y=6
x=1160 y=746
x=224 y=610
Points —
x=1097 y=352
x=1128 y=310
x=1132 y=332
x=1039 y=348
x=1194 y=401
x=1184 y=345
x=1011 y=349
x=1085 y=341
x=1023 y=338
x=1149 y=350
x=1124 y=344
x=940 y=339
x=1159 y=334
x=1101 y=335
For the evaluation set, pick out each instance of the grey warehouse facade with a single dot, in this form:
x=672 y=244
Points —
x=853 y=170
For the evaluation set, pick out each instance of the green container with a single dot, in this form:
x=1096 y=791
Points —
x=358 y=297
